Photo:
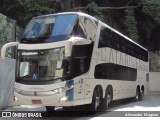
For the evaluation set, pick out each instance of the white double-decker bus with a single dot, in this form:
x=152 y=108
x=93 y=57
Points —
x=72 y=59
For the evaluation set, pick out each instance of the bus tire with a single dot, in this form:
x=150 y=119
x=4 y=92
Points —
x=95 y=101
x=50 y=108
x=137 y=97
x=141 y=95
x=107 y=99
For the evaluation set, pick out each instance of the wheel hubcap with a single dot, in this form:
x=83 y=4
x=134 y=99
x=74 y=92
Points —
x=137 y=95
x=142 y=93
x=97 y=101
x=108 y=99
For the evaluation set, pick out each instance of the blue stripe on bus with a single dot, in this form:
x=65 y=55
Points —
x=70 y=92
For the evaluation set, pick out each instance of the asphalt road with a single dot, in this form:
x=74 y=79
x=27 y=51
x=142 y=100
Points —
x=150 y=104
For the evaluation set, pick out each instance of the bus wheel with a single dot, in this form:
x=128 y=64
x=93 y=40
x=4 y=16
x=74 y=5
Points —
x=137 y=97
x=106 y=100
x=50 y=108
x=95 y=100
x=141 y=95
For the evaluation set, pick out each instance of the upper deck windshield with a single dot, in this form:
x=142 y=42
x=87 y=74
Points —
x=49 y=28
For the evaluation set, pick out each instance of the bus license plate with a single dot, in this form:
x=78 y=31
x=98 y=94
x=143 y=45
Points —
x=36 y=102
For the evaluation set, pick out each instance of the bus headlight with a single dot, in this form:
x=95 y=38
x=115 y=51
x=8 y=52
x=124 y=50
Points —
x=69 y=87
x=59 y=90
x=63 y=99
x=63 y=89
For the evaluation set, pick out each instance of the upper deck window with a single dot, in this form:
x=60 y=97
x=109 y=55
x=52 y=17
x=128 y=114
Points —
x=49 y=28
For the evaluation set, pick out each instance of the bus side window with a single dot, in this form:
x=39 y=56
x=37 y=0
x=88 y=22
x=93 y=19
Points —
x=114 y=72
x=81 y=57
x=66 y=67
x=80 y=32
x=104 y=38
x=86 y=28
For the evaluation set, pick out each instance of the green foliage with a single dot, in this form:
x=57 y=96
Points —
x=131 y=24
x=95 y=10
x=151 y=8
x=37 y=7
x=5 y=30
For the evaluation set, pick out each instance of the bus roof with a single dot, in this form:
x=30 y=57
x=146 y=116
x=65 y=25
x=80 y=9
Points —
x=64 y=13
x=91 y=17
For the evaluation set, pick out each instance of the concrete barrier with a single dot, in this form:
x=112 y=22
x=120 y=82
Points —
x=154 y=82
x=7 y=76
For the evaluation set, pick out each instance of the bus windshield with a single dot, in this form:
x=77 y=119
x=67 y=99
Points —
x=49 y=28
x=42 y=65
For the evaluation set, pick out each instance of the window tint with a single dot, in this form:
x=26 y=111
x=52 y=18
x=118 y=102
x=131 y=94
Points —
x=80 y=32
x=115 y=72
x=81 y=57
x=113 y=40
x=53 y=26
x=104 y=39
x=87 y=28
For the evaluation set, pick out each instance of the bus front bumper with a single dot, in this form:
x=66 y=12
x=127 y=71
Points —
x=60 y=99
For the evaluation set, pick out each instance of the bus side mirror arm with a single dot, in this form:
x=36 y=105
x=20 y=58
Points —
x=68 y=49
x=82 y=42
x=75 y=41
x=7 y=45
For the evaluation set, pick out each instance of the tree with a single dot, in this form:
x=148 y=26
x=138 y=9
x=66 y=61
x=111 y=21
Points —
x=37 y=7
x=5 y=30
x=151 y=8
x=131 y=24
x=95 y=10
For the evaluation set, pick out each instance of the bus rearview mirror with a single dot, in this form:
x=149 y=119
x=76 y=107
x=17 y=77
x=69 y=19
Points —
x=81 y=42
x=68 y=48
x=7 y=45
